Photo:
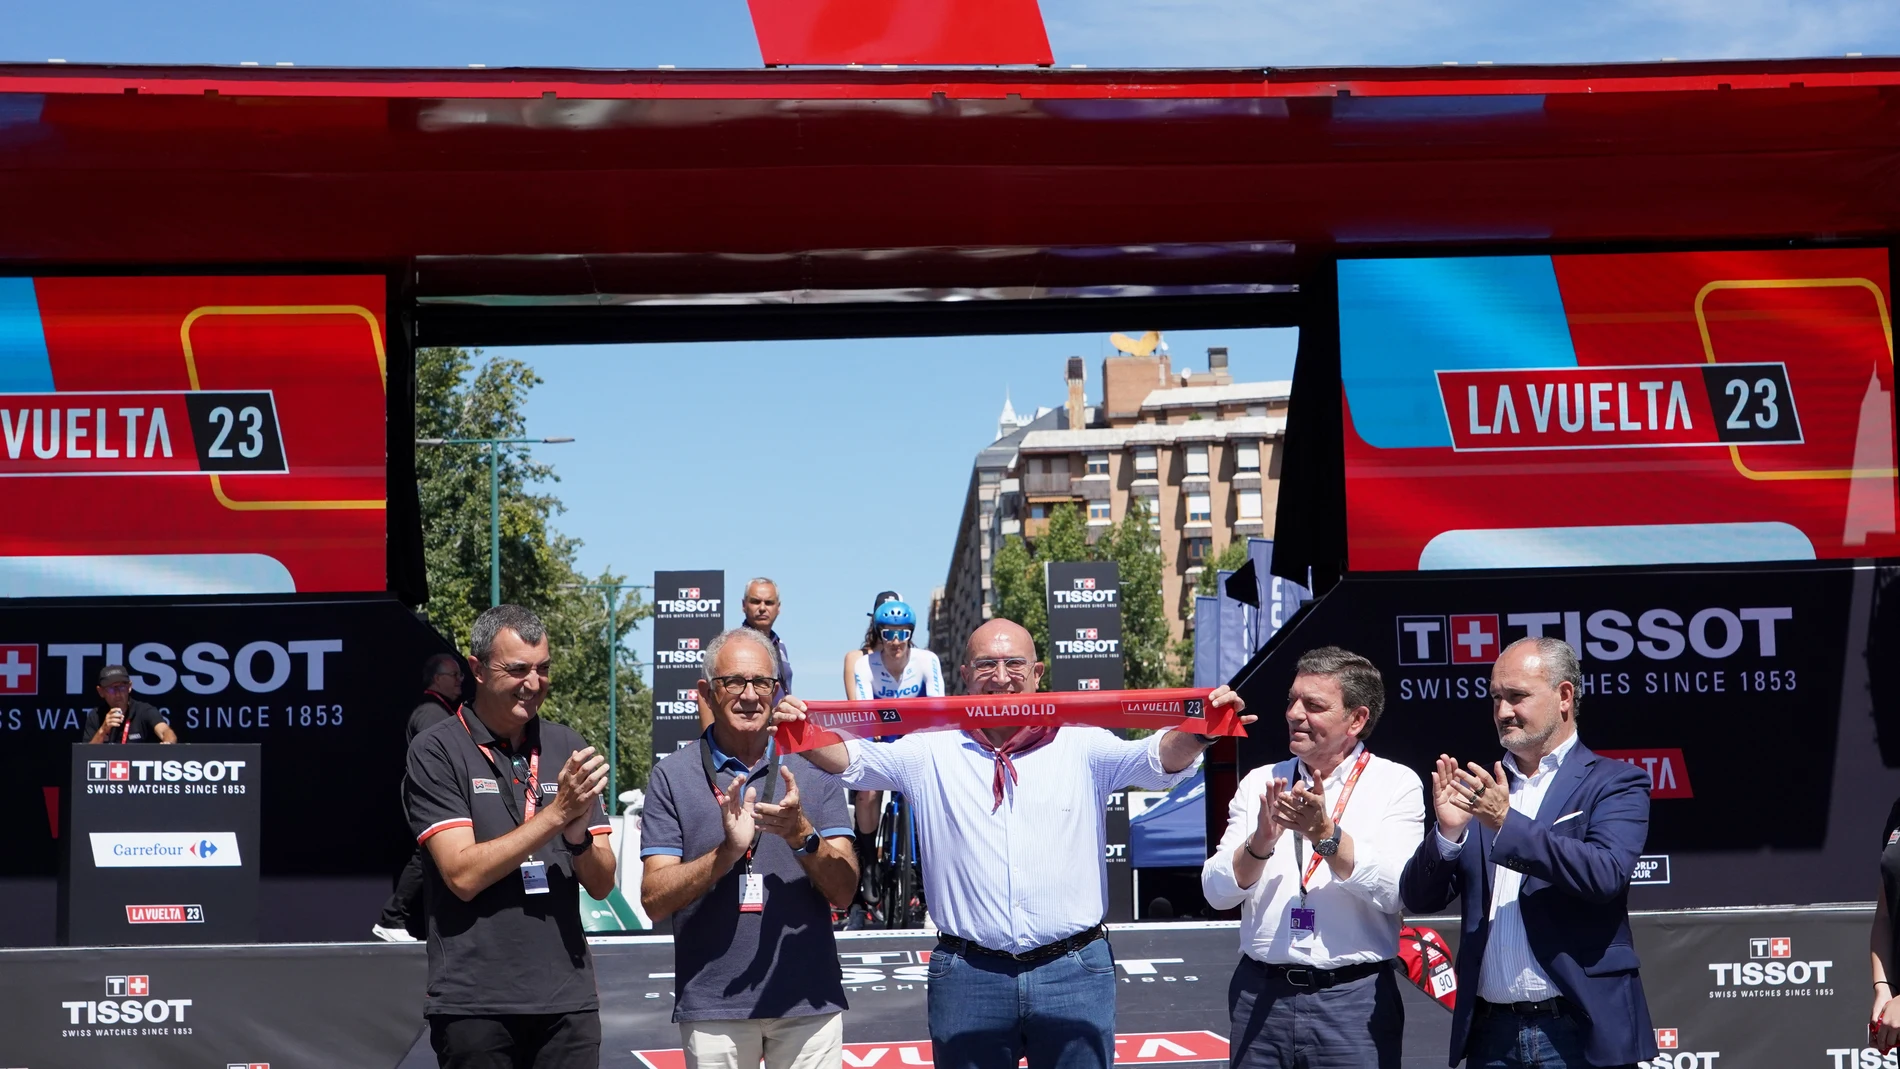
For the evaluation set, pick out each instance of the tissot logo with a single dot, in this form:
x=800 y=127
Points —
x=1422 y=640
x=1669 y=1043
x=95 y=770
x=128 y=1001
x=1088 y=684
x=687 y=592
x=1666 y=1038
x=1771 y=964
x=687 y=606
x=1771 y=947
x=19 y=668
x=121 y=986
x=1474 y=639
x=258 y=667
x=1086 y=632
x=1085 y=583
x=118 y=770
x=689 y=643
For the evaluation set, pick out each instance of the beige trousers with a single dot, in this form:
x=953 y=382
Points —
x=780 y=1042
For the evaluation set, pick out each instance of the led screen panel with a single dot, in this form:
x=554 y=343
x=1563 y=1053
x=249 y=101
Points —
x=1627 y=409
x=174 y=436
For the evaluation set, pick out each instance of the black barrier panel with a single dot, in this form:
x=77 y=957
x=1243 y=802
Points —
x=205 y=1007
x=324 y=685
x=1085 y=625
x=161 y=845
x=689 y=611
x=1726 y=686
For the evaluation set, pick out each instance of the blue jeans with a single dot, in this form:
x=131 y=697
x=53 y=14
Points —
x=988 y=1012
x=1504 y=1040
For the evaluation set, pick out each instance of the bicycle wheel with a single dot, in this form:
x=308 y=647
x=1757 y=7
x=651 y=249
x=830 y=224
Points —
x=906 y=902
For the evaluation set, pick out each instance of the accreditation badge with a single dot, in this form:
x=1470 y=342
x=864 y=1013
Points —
x=1302 y=926
x=534 y=877
x=752 y=893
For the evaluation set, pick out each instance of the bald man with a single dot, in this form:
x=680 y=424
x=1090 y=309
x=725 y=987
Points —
x=1011 y=830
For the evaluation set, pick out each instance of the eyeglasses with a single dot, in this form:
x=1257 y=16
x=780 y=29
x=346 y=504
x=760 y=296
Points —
x=894 y=634
x=736 y=685
x=520 y=671
x=1016 y=667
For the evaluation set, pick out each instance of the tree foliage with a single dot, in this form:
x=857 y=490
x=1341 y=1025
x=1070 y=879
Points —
x=459 y=394
x=1229 y=559
x=1148 y=660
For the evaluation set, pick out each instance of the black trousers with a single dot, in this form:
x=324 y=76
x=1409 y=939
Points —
x=404 y=908
x=517 y=1041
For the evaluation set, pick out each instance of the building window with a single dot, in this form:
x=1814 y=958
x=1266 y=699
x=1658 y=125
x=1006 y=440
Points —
x=1152 y=505
x=1145 y=461
x=1197 y=460
x=1200 y=508
x=1038 y=512
x=1247 y=456
x=1098 y=510
x=1098 y=463
x=989 y=476
x=1198 y=550
x=1249 y=504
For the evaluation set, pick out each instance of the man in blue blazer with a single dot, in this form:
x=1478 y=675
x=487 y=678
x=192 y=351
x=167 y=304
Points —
x=1541 y=855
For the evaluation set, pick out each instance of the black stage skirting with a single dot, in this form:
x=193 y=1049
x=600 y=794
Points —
x=1732 y=989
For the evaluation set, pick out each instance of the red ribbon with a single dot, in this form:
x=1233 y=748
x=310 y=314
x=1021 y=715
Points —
x=1186 y=708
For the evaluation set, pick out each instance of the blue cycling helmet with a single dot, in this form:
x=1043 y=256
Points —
x=895 y=614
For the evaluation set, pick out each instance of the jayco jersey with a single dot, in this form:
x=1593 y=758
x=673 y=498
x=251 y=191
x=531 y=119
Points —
x=923 y=677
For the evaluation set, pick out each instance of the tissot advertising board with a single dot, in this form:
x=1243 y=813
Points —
x=1085 y=625
x=324 y=686
x=1645 y=408
x=1723 y=685
x=161 y=845
x=193 y=435
x=689 y=611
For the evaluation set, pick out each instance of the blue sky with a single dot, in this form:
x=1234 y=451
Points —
x=853 y=456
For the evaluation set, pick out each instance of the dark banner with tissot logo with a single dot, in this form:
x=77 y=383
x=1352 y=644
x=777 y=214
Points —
x=689 y=611
x=325 y=685
x=1085 y=653
x=1085 y=625
x=1720 y=684
x=161 y=845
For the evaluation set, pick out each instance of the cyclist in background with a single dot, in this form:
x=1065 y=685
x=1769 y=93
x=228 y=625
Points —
x=852 y=658
x=893 y=668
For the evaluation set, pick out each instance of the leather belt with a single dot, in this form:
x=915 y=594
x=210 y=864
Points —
x=1042 y=953
x=1320 y=979
x=1550 y=1007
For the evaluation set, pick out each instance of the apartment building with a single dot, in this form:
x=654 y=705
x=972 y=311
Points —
x=1200 y=450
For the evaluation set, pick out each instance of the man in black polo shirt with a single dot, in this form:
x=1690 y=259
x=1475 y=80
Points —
x=508 y=806
x=123 y=718
x=747 y=851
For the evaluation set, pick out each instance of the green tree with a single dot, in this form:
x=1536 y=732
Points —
x=1229 y=559
x=1148 y=660
x=461 y=395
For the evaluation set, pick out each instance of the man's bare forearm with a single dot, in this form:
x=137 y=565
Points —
x=833 y=759
x=667 y=889
x=594 y=867
x=473 y=867
x=1179 y=750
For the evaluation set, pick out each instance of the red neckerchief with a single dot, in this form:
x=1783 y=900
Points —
x=1025 y=740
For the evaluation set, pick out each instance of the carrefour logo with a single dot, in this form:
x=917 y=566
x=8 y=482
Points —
x=165 y=849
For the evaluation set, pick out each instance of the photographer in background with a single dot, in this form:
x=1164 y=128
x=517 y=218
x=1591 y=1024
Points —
x=123 y=718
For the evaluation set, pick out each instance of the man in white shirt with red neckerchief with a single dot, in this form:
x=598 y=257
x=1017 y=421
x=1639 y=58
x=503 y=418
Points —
x=1011 y=825
x=1314 y=849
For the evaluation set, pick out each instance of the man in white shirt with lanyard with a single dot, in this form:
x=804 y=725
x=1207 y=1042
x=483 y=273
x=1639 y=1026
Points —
x=1011 y=823
x=1313 y=853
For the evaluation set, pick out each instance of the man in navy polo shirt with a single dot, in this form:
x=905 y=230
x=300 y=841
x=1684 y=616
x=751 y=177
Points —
x=507 y=806
x=748 y=851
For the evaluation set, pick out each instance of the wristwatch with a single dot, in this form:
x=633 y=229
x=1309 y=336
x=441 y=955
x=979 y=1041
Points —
x=1328 y=846
x=809 y=846
x=580 y=848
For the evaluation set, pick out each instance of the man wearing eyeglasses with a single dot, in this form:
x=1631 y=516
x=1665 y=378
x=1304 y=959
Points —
x=748 y=850
x=1012 y=823
x=507 y=806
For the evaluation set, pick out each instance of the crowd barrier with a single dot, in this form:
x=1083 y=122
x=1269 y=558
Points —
x=1728 y=989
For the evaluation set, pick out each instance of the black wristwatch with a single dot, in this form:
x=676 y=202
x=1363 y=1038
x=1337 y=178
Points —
x=1328 y=846
x=582 y=847
x=809 y=846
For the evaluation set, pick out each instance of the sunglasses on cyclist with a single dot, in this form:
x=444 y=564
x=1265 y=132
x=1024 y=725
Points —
x=894 y=634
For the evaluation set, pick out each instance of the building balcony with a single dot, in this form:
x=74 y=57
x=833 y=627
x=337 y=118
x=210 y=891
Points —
x=1094 y=487
x=1035 y=528
x=1047 y=483
x=1246 y=480
x=1192 y=479
x=1248 y=527
x=1010 y=527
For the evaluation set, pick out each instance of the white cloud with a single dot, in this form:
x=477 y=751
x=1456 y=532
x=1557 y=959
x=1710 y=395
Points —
x=1163 y=33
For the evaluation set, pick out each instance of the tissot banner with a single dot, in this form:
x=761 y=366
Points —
x=323 y=686
x=1085 y=625
x=161 y=845
x=689 y=611
x=1717 y=683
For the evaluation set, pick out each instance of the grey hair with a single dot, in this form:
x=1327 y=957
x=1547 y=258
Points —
x=1359 y=680
x=522 y=621
x=738 y=634
x=436 y=664
x=760 y=579
x=1560 y=665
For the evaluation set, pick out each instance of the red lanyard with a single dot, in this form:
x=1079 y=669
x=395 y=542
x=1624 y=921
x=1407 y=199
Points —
x=125 y=726
x=1339 y=810
x=534 y=770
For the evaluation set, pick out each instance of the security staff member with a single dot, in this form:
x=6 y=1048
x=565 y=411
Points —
x=125 y=719
x=508 y=807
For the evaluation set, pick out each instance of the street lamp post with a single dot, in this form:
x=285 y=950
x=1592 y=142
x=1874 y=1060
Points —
x=493 y=446
x=612 y=593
